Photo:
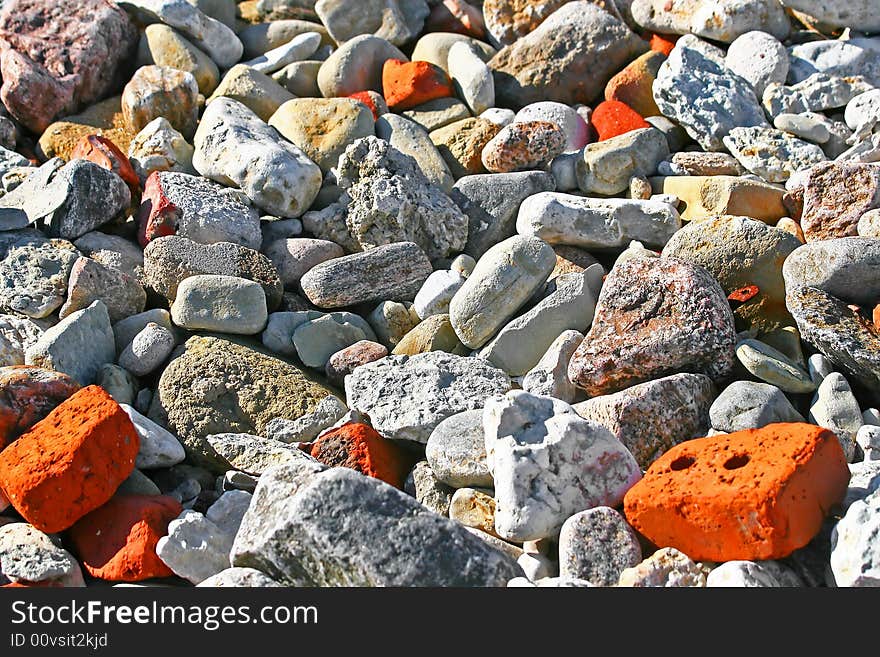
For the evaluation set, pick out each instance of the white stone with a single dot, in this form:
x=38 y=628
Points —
x=16 y=335
x=758 y=57
x=299 y=48
x=859 y=15
x=549 y=378
x=868 y=438
x=819 y=367
x=472 y=78
x=148 y=350
x=751 y=574
x=862 y=113
x=456 y=451
x=855 y=550
x=159 y=448
x=772 y=154
x=500 y=116
x=436 y=292
x=835 y=407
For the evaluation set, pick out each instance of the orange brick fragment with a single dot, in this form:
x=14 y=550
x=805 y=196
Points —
x=117 y=542
x=105 y=153
x=372 y=100
x=408 y=84
x=663 y=43
x=71 y=462
x=754 y=494
x=612 y=118
x=359 y=447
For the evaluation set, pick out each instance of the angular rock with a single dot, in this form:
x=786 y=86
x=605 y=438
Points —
x=433 y=334
x=245 y=453
x=817 y=93
x=772 y=154
x=91 y=281
x=28 y=555
x=114 y=252
x=836 y=408
x=410 y=138
x=307 y=427
x=239 y=578
x=461 y=144
x=855 y=559
x=430 y=491
x=159 y=147
x=16 y=335
x=299 y=48
x=34 y=274
x=752 y=574
x=549 y=377
x=836 y=195
x=666 y=568
x=606 y=167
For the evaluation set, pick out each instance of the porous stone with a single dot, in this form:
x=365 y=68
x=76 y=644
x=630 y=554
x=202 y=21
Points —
x=245 y=452
x=597 y=545
x=16 y=335
x=817 y=93
x=836 y=194
x=34 y=273
x=307 y=427
x=772 y=154
x=751 y=405
x=28 y=555
x=456 y=451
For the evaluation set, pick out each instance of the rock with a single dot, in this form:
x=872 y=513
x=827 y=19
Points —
x=158 y=448
x=472 y=78
x=296 y=256
x=698 y=91
x=43 y=77
x=461 y=144
x=592 y=223
x=16 y=335
x=839 y=14
x=836 y=408
x=677 y=319
x=666 y=568
x=435 y=47
x=104 y=153
x=817 y=93
x=861 y=113
x=523 y=145
x=28 y=555
x=206 y=33
x=159 y=147
x=160 y=91
x=433 y=334
x=868 y=439
x=391 y=321
x=117 y=542
x=431 y=492
x=549 y=377
x=428 y=550
x=739 y=252
x=844 y=268
x=387 y=199
x=34 y=273
x=392 y=271
x=398 y=21
x=772 y=154
x=245 y=452
x=407 y=84
x=300 y=78
x=323 y=128
x=568 y=58
x=456 y=451
x=607 y=166
x=491 y=203
x=473 y=508
x=438 y=113
x=632 y=85
x=103 y=118
x=519 y=345
x=409 y=138
x=835 y=197
x=650 y=418
x=750 y=405
x=358 y=446
x=723 y=20
x=78 y=345
x=260 y=38
x=163 y=46
x=278 y=335
x=255 y=90
x=307 y=427
x=125 y=330
x=841 y=58
x=356 y=66
x=275 y=175
x=611 y=118
x=701 y=163
x=197 y=546
x=854 y=557
x=841 y=334
x=114 y=252
x=91 y=281
x=752 y=574
x=505 y=278
x=226 y=304
x=508 y=21
x=118 y=382
x=299 y=48
x=774 y=367
x=346 y=360
x=549 y=463
x=426 y=389
x=597 y=545
x=710 y=196
x=239 y=578
x=436 y=292
x=317 y=339
x=759 y=58
x=217 y=386
x=735 y=485
x=569 y=121
x=198 y=209
x=70 y=462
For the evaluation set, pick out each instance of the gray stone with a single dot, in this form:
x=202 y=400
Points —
x=719 y=20
x=358 y=531
x=650 y=418
x=300 y=78
x=412 y=139
x=520 y=344
x=592 y=223
x=91 y=281
x=838 y=57
x=439 y=112
x=356 y=66
x=436 y=292
x=118 y=382
x=16 y=335
x=750 y=405
x=434 y=47
x=666 y=568
x=391 y=321
x=773 y=367
x=752 y=574
x=317 y=339
x=398 y=21
x=759 y=58
x=386 y=198
x=275 y=229
x=835 y=407
x=34 y=273
x=126 y=329
x=857 y=14
x=239 y=578
x=845 y=268
x=597 y=545
x=390 y=272
x=113 y=251
x=299 y=48
x=138 y=483
x=606 y=167
x=549 y=377
x=29 y=202
x=772 y=154
x=817 y=93
x=159 y=147
x=862 y=114
x=29 y=555
x=429 y=491
x=278 y=335
x=855 y=552
x=236 y=148
x=406 y=397
x=548 y=463
x=505 y=277
x=868 y=439
x=864 y=480
x=226 y=304
x=456 y=451
x=811 y=126
x=306 y=428
x=158 y=447
x=92 y=196
x=473 y=80
x=78 y=345
x=704 y=96
x=247 y=453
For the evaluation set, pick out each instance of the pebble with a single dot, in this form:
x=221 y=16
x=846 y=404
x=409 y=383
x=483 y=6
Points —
x=549 y=376
x=299 y=48
x=356 y=66
x=391 y=321
x=773 y=367
x=471 y=77
x=432 y=334
x=126 y=329
x=158 y=448
x=819 y=367
x=159 y=147
x=719 y=20
x=411 y=139
x=433 y=493
x=259 y=38
x=161 y=91
x=161 y=45
x=461 y=144
x=398 y=21
x=456 y=451
x=473 y=508
x=226 y=304
x=346 y=360
x=256 y=91
x=750 y=405
x=758 y=57
x=523 y=145
x=293 y=257
x=118 y=382
x=632 y=85
x=317 y=339
x=435 y=47
x=148 y=349
x=836 y=408
x=772 y=154
x=436 y=292
x=597 y=545
x=855 y=560
x=752 y=574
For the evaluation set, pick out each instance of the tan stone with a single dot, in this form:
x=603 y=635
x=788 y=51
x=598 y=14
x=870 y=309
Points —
x=433 y=334
x=461 y=144
x=104 y=119
x=633 y=84
x=474 y=508
x=709 y=196
x=260 y=38
x=260 y=93
x=163 y=46
x=161 y=91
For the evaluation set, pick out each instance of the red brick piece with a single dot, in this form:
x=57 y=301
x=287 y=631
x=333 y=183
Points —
x=158 y=215
x=753 y=495
x=359 y=447
x=408 y=84
x=105 y=153
x=117 y=542
x=612 y=118
x=663 y=43
x=372 y=100
x=71 y=462
x=27 y=395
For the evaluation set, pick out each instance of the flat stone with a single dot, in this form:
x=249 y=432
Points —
x=456 y=451
x=318 y=339
x=438 y=113
x=836 y=408
x=549 y=377
x=596 y=223
x=158 y=447
x=649 y=418
x=655 y=317
x=406 y=397
x=606 y=167
x=773 y=367
x=772 y=154
x=597 y=545
x=306 y=428
x=750 y=405
x=432 y=334
x=226 y=304
x=548 y=463
x=245 y=452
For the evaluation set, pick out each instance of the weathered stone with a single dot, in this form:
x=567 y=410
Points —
x=835 y=197
x=770 y=153
x=411 y=139
x=307 y=427
x=758 y=57
x=391 y=321
x=719 y=20
x=855 y=559
x=438 y=113
x=125 y=330
x=817 y=93
x=461 y=144
x=549 y=377
x=148 y=349
x=16 y=335
x=90 y=280
x=751 y=405
x=752 y=574
x=28 y=555
x=159 y=147
x=245 y=452
x=433 y=334
x=835 y=407
x=239 y=578
x=161 y=91
x=523 y=146
x=226 y=304
x=845 y=268
x=606 y=167
x=34 y=273
x=456 y=451
x=666 y=568
x=163 y=46
x=710 y=196
x=597 y=545
x=158 y=447
x=348 y=359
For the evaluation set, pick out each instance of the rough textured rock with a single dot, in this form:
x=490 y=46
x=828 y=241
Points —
x=835 y=197
x=461 y=144
x=772 y=154
x=758 y=57
x=436 y=384
x=855 y=560
x=28 y=395
x=410 y=138
x=239 y=578
x=666 y=568
x=597 y=545
x=28 y=555
x=159 y=147
x=34 y=273
x=161 y=91
x=606 y=167
x=90 y=281
x=655 y=317
x=650 y=418
x=549 y=377
x=719 y=20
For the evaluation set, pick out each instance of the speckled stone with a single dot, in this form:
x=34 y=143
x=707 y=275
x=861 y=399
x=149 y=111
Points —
x=523 y=145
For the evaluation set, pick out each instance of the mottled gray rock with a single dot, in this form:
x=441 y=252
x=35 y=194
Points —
x=158 y=448
x=159 y=147
x=548 y=463
x=78 y=345
x=836 y=408
x=16 y=335
x=704 y=96
x=236 y=148
x=758 y=57
x=439 y=112
x=226 y=304
x=751 y=405
x=299 y=48
x=456 y=451
x=406 y=397
x=278 y=335
x=90 y=281
x=398 y=21
x=593 y=223
x=650 y=418
x=773 y=367
x=391 y=321
x=113 y=251
x=92 y=196
x=606 y=167
x=358 y=531
x=770 y=153
x=356 y=66
x=505 y=277
x=845 y=268
x=412 y=139
x=306 y=428
x=719 y=20
x=665 y=568
x=817 y=93
x=423 y=485
x=29 y=555
x=839 y=57
x=597 y=545
x=752 y=574
x=864 y=480
x=34 y=273
x=549 y=377
x=389 y=272
x=855 y=552
x=138 y=483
